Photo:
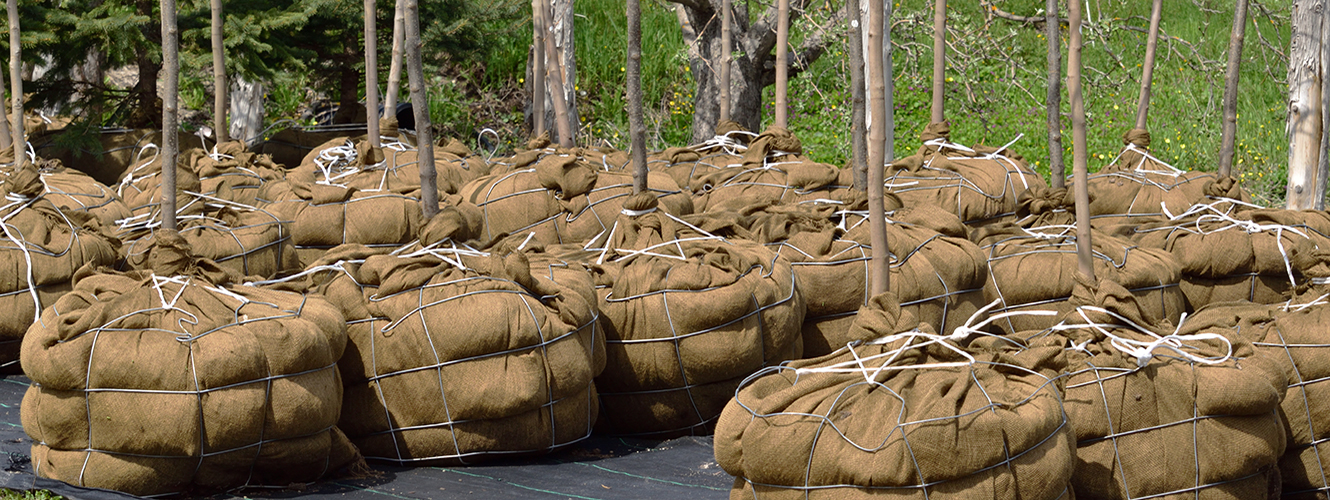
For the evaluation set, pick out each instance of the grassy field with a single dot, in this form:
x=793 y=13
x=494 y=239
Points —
x=996 y=81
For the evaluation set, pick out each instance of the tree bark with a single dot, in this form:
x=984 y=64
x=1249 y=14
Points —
x=395 y=67
x=939 y=58
x=782 y=63
x=726 y=57
x=348 y=97
x=1230 y=129
x=218 y=74
x=858 y=139
x=147 y=113
x=16 y=86
x=170 y=120
x=429 y=191
x=246 y=109
x=560 y=33
x=1080 y=152
x=537 y=77
x=1306 y=75
x=1057 y=170
x=877 y=225
x=636 y=125
x=554 y=82
x=371 y=75
x=1148 y=67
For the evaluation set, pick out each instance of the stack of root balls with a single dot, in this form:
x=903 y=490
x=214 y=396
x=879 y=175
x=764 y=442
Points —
x=305 y=316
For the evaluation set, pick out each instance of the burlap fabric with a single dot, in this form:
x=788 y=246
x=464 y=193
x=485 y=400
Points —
x=687 y=316
x=395 y=167
x=1138 y=185
x=450 y=364
x=1045 y=206
x=42 y=248
x=939 y=279
x=772 y=169
x=117 y=151
x=1036 y=269
x=562 y=199
x=907 y=415
x=1159 y=413
x=173 y=380
x=74 y=191
x=289 y=146
x=227 y=174
x=141 y=186
x=249 y=242
x=1244 y=255
x=980 y=184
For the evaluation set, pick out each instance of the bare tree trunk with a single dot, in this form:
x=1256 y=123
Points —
x=1148 y=67
x=1080 y=153
x=889 y=82
x=637 y=128
x=877 y=221
x=246 y=109
x=395 y=67
x=538 y=70
x=170 y=118
x=782 y=63
x=429 y=190
x=371 y=74
x=726 y=57
x=1306 y=75
x=858 y=141
x=218 y=75
x=1230 y=128
x=557 y=30
x=554 y=81
x=1057 y=170
x=1323 y=166
x=6 y=136
x=16 y=85
x=939 y=58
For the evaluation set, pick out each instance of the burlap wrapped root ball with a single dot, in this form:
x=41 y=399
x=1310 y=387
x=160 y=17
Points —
x=41 y=249
x=1245 y=255
x=116 y=151
x=685 y=164
x=393 y=167
x=561 y=199
x=772 y=169
x=1137 y=186
x=177 y=380
x=251 y=242
x=909 y=414
x=1036 y=269
x=687 y=316
x=74 y=191
x=979 y=184
x=458 y=356
x=1159 y=414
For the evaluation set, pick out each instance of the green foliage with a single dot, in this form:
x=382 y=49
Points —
x=28 y=495
x=260 y=36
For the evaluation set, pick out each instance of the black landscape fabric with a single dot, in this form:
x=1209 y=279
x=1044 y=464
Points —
x=601 y=468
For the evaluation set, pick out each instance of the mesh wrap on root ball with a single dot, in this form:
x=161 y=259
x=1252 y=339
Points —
x=175 y=380
x=247 y=240
x=909 y=414
x=74 y=191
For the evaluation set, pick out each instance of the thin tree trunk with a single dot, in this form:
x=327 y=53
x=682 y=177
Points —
x=1306 y=73
x=889 y=82
x=6 y=136
x=1080 y=153
x=218 y=75
x=246 y=114
x=371 y=75
x=16 y=85
x=538 y=70
x=1323 y=166
x=395 y=66
x=726 y=57
x=1230 y=129
x=1148 y=67
x=429 y=191
x=170 y=119
x=636 y=125
x=1057 y=170
x=554 y=80
x=782 y=63
x=858 y=141
x=939 y=58
x=877 y=222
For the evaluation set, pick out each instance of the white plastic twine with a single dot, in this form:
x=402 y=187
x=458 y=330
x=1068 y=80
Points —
x=1251 y=227
x=1145 y=155
x=336 y=266
x=451 y=253
x=219 y=156
x=185 y=282
x=129 y=176
x=337 y=158
x=17 y=203
x=725 y=142
x=1144 y=351
x=490 y=155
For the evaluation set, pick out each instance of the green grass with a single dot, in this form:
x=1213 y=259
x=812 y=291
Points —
x=28 y=495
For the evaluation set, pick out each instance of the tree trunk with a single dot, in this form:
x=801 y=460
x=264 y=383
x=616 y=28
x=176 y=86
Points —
x=348 y=88
x=395 y=67
x=1148 y=67
x=1306 y=75
x=1230 y=129
x=146 y=112
x=218 y=74
x=939 y=59
x=877 y=225
x=1080 y=152
x=1057 y=170
x=371 y=75
x=429 y=191
x=16 y=86
x=858 y=139
x=563 y=41
x=782 y=63
x=246 y=109
x=554 y=80
x=170 y=121
x=537 y=77
x=727 y=56
x=637 y=128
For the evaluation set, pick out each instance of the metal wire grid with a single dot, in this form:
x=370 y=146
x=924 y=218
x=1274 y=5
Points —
x=266 y=234
x=78 y=193
x=996 y=206
x=1303 y=404
x=247 y=312
x=870 y=383
x=1149 y=189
